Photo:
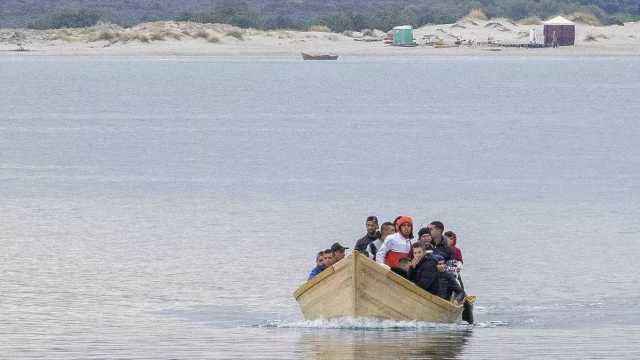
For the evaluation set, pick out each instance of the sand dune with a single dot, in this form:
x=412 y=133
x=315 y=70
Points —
x=192 y=39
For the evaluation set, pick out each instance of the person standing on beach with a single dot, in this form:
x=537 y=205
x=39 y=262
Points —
x=371 y=235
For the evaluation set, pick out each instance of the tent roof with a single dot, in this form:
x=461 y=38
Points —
x=403 y=27
x=558 y=20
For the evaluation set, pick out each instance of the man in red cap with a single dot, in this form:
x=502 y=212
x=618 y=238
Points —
x=398 y=245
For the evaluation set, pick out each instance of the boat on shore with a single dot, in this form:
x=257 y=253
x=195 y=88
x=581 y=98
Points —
x=356 y=286
x=309 y=56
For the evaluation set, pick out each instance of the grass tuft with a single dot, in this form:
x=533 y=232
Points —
x=478 y=14
x=531 y=20
x=318 y=28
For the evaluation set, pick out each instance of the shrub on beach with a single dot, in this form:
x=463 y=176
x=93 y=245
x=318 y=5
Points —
x=157 y=36
x=592 y=37
x=213 y=39
x=202 y=34
x=105 y=35
x=141 y=37
x=235 y=34
x=531 y=20
x=318 y=28
x=585 y=18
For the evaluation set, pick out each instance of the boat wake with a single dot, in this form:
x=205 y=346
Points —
x=373 y=324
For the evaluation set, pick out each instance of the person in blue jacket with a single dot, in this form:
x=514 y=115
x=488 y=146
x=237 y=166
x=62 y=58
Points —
x=319 y=266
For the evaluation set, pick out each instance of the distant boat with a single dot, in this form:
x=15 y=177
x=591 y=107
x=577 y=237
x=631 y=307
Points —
x=308 y=56
x=359 y=287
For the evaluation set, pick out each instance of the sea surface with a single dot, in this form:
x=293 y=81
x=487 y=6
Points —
x=167 y=208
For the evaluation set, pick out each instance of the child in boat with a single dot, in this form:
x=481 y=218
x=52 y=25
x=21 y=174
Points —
x=319 y=266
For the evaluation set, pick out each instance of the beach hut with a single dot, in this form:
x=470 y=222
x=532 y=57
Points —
x=565 y=32
x=403 y=36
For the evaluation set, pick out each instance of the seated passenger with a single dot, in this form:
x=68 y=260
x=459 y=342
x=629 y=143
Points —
x=424 y=236
x=319 y=266
x=386 y=229
x=337 y=252
x=398 y=245
x=404 y=268
x=439 y=242
x=448 y=287
x=371 y=235
x=426 y=273
x=418 y=253
x=328 y=258
x=453 y=239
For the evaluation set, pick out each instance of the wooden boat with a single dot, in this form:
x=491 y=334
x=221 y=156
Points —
x=308 y=56
x=359 y=287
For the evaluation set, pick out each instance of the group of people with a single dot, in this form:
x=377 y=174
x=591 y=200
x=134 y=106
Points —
x=432 y=260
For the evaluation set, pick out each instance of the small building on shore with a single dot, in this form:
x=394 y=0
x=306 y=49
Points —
x=403 y=36
x=564 y=30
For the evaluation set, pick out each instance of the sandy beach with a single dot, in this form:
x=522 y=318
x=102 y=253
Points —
x=170 y=38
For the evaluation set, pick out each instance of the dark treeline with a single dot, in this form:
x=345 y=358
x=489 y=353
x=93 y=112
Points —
x=297 y=14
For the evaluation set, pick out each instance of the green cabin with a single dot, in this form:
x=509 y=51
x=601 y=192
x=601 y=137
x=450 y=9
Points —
x=403 y=35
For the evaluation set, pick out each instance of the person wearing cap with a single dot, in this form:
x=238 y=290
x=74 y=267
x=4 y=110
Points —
x=398 y=245
x=319 y=266
x=337 y=251
x=371 y=235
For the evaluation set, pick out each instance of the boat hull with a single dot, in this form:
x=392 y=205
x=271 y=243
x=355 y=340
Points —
x=358 y=287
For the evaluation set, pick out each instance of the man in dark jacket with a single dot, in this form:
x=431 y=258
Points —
x=371 y=236
x=425 y=273
x=448 y=285
x=440 y=243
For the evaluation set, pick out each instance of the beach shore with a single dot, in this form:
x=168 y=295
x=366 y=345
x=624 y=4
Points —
x=170 y=38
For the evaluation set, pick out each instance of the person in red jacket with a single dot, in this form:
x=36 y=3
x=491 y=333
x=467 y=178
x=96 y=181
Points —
x=398 y=245
x=453 y=239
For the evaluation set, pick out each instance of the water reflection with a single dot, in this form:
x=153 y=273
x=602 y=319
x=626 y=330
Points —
x=350 y=344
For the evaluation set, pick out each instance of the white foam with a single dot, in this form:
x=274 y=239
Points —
x=365 y=324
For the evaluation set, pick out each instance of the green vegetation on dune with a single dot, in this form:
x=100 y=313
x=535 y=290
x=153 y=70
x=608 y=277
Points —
x=338 y=15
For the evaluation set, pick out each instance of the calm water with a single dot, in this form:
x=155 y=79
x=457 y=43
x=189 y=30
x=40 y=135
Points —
x=168 y=208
